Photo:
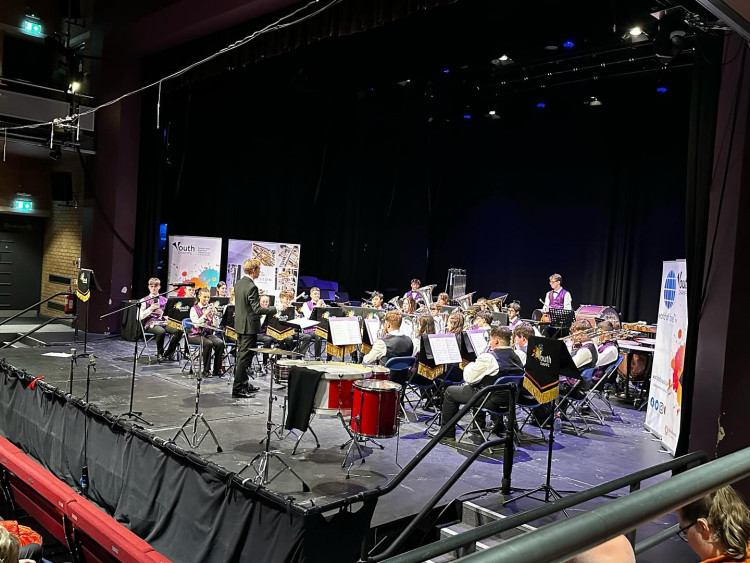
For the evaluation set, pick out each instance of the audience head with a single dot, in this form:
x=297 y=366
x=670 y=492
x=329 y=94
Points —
x=616 y=550
x=718 y=524
x=9 y=546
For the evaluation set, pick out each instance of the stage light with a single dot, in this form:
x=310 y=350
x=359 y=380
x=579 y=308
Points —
x=661 y=89
x=504 y=58
x=541 y=105
x=467 y=116
x=446 y=70
x=635 y=31
x=593 y=101
x=492 y=112
x=569 y=44
x=73 y=87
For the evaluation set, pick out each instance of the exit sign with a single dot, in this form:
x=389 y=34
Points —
x=23 y=205
x=32 y=27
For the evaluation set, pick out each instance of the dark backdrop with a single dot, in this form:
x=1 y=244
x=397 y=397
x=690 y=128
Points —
x=380 y=185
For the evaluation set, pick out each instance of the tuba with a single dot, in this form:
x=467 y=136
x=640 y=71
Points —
x=426 y=293
x=464 y=301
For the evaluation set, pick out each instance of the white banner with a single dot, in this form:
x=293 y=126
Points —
x=279 y=264
x=665 y=393
x=194 y=259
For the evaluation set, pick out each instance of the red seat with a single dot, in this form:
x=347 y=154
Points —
x=102 y=538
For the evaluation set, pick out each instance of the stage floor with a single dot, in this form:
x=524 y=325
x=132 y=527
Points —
x=166 y=395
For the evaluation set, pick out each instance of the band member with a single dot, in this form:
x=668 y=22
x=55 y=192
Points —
x=231 y=295
x=308 y=335
x=483 y=320
x=394 y=343
x=408 y=308
x=521 y=335
x=204 y=316
x=607 y=350
x=189 y=291
x=438 y=318
x=443 y=300
x=221 y=289
x=285 y=301
x=498 y=361
x=409 y=305
x=482 y=304
x=514 y=318
x=413 y=293
x=557 y=298
x=151 y=314
x=377 y=301
x=247 y=325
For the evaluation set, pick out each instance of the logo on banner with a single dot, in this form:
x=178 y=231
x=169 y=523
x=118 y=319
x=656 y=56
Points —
x=544 y=361
x=183 y=248
x=670 y=289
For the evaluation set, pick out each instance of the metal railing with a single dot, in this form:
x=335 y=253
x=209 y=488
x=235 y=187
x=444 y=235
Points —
x=493 y=528
x=567 y=538
x=39 y=326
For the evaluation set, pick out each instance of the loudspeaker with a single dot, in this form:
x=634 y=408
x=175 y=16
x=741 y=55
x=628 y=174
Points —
x=62 y=186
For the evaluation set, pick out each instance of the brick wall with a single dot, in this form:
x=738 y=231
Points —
x=62 y=243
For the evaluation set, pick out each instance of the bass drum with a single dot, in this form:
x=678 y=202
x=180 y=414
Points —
x=597 y=313
x=635 y=366
x=539 y=316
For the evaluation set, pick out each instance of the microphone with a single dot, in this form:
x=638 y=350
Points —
x=186 y=284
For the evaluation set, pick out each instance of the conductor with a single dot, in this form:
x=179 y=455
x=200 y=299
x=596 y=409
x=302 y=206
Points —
x=247 y=315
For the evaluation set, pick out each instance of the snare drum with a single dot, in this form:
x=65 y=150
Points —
x=381 y=373
x=375 y=408
x=282 y=368
x=334 y=393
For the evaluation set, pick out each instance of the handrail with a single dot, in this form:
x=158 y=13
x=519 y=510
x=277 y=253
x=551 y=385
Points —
x=570 y=537
x=409 y=467
x=508 y=454
x=32 y=331
x=492 y=528
x=35 y=305
x=656 y=539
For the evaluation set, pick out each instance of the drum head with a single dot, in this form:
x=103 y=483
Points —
x=377 y=385
x=536 y=315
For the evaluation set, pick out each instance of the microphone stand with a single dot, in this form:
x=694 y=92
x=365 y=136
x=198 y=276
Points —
x=73 y=362
x=131 y=413
x=85 y=469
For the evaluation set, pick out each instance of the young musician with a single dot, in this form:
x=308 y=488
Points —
x=221 y=289
x=521 y=335
x=285 y=301
x=483 y=320
x=443 y=300
x=498 y=361
x=151 y=314
x=377 y=301
x=607 y=350
x=308 y=335
x=557 y=298
x=482 y=304
x=414 y=294
x=438 y=317
x=408 y=308
x=204 y=316
x=514 y=318
x=394 y=343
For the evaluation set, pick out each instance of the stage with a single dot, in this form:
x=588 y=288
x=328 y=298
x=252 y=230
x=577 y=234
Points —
x=166 y=395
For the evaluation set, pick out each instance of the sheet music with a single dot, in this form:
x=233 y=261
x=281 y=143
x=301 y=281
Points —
x=373 y=327
x=344 y=330
x=303 y=323
x=444 y=348
x=478 y=340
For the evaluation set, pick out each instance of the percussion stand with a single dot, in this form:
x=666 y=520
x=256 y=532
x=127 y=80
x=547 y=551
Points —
x=264 y=458
x=196 y=440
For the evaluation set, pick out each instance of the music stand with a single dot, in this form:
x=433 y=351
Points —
x=264 y=457
x=561 y=319
x=546 y=361
x=86 y=282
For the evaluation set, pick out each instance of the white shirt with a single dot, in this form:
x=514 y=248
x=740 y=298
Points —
x=199 y=321
x=607 y=356
x=485 y=364
x=582 y=357
x=567 y=299
x=379 y=349
x=521 y=355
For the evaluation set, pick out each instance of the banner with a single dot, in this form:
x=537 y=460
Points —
x=194 y=259
x=665 y=392
x=279 y=264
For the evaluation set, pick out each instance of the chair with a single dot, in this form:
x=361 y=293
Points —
x=147 y=337
x=568 y=400
x=596 y=392
x=193 y=351
x=400 y=366
x=527 y=403
x=483 y=410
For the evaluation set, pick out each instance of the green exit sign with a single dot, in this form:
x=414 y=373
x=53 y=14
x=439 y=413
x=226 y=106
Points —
x=23 y=205
x=32 y=27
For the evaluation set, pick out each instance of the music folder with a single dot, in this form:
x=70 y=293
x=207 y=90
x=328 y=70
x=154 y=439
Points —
x=546 y=360
x=178 y=308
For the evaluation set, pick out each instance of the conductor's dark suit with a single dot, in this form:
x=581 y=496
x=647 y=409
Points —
x=247 y=313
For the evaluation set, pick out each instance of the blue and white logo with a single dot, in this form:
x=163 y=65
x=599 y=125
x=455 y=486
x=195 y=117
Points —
x=670 y=289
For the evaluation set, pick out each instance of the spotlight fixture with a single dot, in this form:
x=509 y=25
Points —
x=502 y=60
x=541 y=105
x=492 y=112
x=661 y=88
x=569 y=44
x=593 y=101
x=74 y=87
x=635 y=31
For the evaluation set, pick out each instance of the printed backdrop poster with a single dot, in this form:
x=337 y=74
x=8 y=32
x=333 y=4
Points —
x=279 y=264
x=194 y=259
x=665 y=393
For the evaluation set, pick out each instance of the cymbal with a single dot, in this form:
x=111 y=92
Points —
x=275 y=351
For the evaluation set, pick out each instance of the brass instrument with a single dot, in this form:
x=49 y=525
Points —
x=426 y=293
x=493 y=304
x=464 y=301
